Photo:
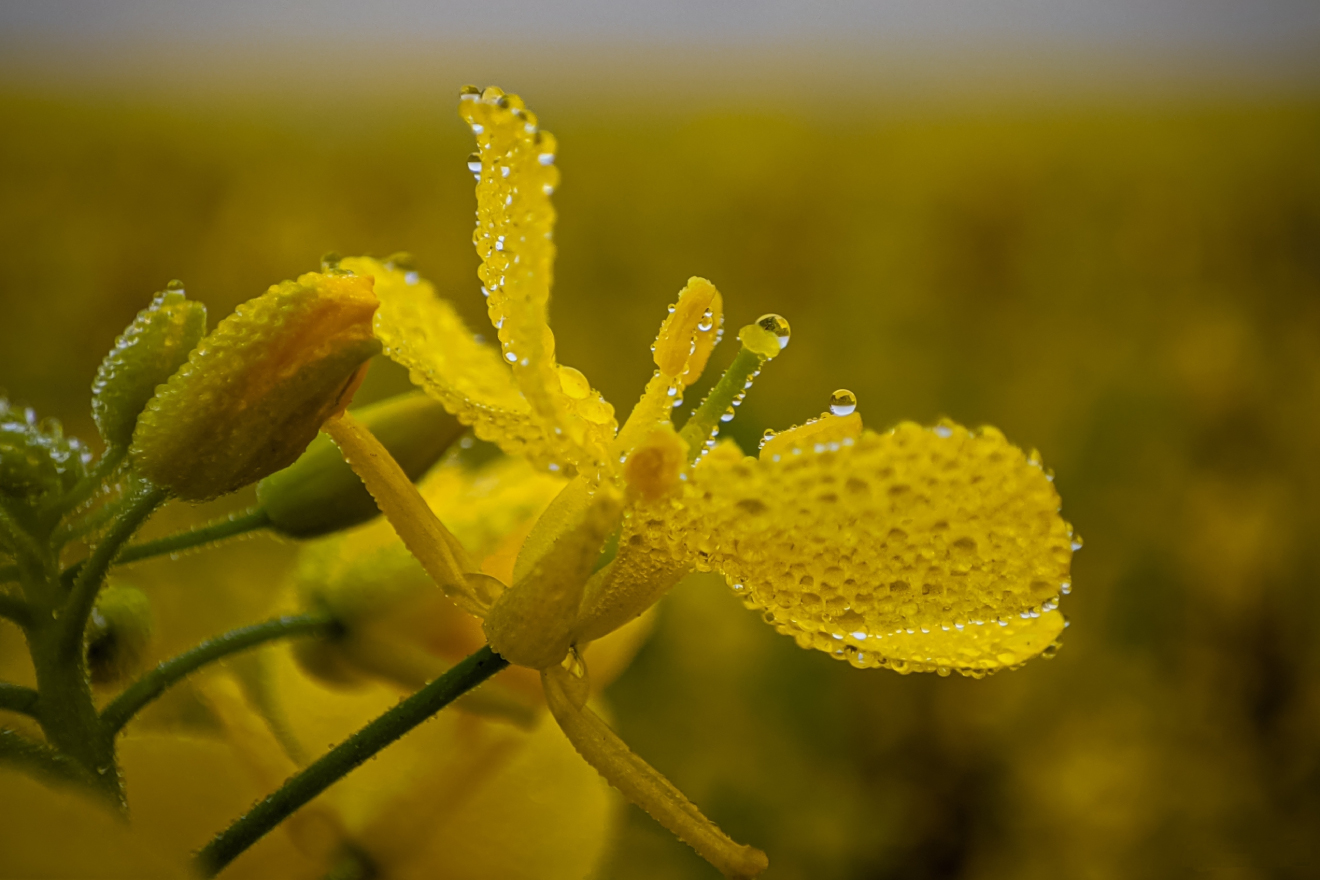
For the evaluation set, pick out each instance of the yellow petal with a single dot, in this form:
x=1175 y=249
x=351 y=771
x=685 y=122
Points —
x=515 y=224
x=909 y=532
x=422 y=332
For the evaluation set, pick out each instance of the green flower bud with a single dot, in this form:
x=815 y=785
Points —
x=118 y=634
x=145 y=355
x=319 y=493
x=256 y=390
x=36 y=460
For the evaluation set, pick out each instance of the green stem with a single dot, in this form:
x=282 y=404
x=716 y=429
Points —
x=705 y=421
x=39 y=760
x=217 y=530
x=16 y=610
x=153 y=684
x=343 y=758
x=92 y=573
x=17 y=698
x=110 y=461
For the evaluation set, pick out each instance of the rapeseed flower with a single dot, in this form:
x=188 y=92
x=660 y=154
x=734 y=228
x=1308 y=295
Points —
x=916 y=549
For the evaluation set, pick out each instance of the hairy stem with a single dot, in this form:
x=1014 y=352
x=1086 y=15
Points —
x=87 y=486
x=92 y=573
x=17 y=698
x=39 y=760
x=229 y=527
x=15 y=609
x=346 y=756
x=170 y=672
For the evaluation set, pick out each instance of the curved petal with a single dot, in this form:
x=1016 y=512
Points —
x=515 y=225
x=909 y=541
x=422 y=332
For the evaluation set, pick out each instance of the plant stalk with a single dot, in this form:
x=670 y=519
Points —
x=343 y=758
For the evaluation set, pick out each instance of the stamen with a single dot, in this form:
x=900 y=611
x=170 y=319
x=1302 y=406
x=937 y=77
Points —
x=423 y=534
x=761 y=342
x=641 y=783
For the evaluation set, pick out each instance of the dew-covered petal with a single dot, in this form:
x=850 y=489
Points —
x=424 y=333
x=913 y=530
x=514 y=163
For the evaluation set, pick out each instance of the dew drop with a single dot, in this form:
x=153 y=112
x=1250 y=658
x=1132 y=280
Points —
x=175 y=285
x=728 y=415
x=708 y=321
x=777 y=325
x=843 y=402
x=474 y=164
x=330 y=260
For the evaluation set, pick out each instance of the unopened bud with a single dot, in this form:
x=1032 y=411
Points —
x=118 y=634
x=320 y=493
x=256 y=390
x=145 y=355
x=36 y=460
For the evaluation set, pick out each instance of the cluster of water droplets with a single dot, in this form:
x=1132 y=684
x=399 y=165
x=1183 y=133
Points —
x=916 y=550
x=37 y=460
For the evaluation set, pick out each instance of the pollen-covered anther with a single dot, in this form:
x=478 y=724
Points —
x=654 y=468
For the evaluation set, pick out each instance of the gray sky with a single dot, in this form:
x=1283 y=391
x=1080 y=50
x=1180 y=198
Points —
x=1252 y=26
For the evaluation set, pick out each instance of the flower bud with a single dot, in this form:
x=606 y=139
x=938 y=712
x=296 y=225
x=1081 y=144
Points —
x=36 y=460
x=145 y=355
x=320 y=493
x=118 y=634
x=256 y=390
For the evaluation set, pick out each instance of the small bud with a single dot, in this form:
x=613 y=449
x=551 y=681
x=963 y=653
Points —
x=320 y=493
x=145 y=355
x=36 y=460
x=256 y=390
x=118 y=634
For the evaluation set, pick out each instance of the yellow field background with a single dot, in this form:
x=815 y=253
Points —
x=1130 y=286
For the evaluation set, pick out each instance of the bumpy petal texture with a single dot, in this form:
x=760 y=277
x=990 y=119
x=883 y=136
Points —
x=921 y=549
x=423 y=332
x=515 y=224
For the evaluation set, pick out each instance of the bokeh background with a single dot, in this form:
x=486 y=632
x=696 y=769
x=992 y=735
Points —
x=1096 y=226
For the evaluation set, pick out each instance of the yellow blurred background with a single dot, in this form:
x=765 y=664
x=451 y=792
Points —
x=1116 y=263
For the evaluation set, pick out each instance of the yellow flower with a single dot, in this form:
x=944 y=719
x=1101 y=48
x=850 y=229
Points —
x=920 y=549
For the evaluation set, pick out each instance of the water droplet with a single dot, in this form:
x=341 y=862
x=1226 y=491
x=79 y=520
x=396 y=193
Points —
x=843 y=402
x=546 y=158
x=330 y=260
x=510 y=357
x=474 y=164
x=1076 y=542
x=1065 y=588
x=728 y=415
x=707 y=322
x=777 y=325
x=469 y=92
x=175 y=285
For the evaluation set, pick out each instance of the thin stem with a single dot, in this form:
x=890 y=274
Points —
x=17 y=698
x=87 y=486
x=346 y=756
x=93 y=571
x=170 y=672
x=39 y=760
x=705 y=421
x=17 y=537
x=231 y=526
x=15 y=609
